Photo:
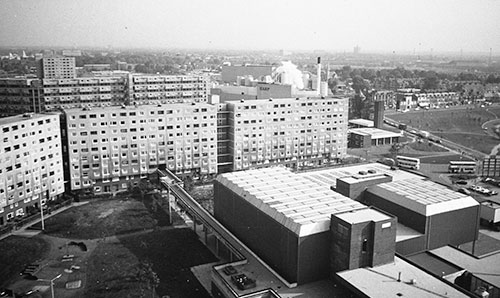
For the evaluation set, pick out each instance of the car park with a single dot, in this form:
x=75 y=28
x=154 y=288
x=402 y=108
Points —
x=482 y=190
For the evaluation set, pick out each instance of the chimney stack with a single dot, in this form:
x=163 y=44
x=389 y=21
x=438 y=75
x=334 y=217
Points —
x=318 y=79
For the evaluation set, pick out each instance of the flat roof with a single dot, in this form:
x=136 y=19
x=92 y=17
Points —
x=362 y=216
x=434 y=264
x=375 y=133
x=328 y=177
x=139 y=107
x=20 y=118
x=422 y=196
x=382 y=281
x=491 y=204
x=362 y=122
x=485 y=268
x=301 y=205
x=265 y=280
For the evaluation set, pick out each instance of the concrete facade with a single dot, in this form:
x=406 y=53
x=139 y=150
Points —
x=48 y=94
x=365 y=239
x=109 y=148
x=19 y=95
x=369 y=136
x=286 y=220
x=56 y=68
x=31 y=163
x=88 y=91
x=294 y=132
x=442 y=216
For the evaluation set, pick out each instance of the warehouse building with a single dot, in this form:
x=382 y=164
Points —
x=429 y=214
x=442 y=216
x=300 y=228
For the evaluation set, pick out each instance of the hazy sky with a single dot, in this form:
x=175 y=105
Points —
x=374 y=25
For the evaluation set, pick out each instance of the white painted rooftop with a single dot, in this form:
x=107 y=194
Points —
x=375 y=133
x=362 y=122
x=301 y=205
x=328 y=177
x=423 y=196
x=362 y=216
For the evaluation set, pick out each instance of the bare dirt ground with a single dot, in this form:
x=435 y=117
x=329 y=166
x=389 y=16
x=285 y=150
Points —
x=120 y=257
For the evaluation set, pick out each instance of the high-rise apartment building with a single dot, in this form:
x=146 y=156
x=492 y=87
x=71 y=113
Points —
x=294 y=132
x=87 y=91
x=31 y=164
x=56 y=68
x=146 y=89
x=19 y=95
x=110 y=148
x=27 y=95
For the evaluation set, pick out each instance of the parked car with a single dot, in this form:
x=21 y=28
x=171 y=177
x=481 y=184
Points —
x=465 y=191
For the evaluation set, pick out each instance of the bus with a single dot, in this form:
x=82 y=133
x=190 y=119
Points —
x=462 y=166
x=408 y=162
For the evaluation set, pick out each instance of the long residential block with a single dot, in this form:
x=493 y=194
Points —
x=31 y=163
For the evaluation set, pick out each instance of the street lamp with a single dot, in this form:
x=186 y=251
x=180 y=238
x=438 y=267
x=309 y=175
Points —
x=51 y=283
x=41 y=212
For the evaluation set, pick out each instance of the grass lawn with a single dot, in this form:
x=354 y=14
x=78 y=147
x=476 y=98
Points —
x=100 y=218
x=443 y=159
x=480 y=142
x=426 y=146
x=115 y=268
x=17 y=252
x=462 y=126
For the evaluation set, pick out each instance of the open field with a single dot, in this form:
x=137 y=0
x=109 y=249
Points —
x=462 y=126
x=443 y=159
x=426 y=146
x=100 y=218
x=130 y=255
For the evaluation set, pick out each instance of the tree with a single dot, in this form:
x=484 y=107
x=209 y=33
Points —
x=431 y=81
x=396 y=148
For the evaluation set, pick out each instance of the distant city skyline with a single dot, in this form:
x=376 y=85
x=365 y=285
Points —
x=375 y=26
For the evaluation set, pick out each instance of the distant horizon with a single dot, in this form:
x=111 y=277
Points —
x=381 y=26
x=424 y=54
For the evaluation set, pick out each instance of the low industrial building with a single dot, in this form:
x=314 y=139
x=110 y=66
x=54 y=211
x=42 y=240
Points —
x=341 y=223
x=360 y=123
x=398 y=279
x=370 y=136
x=429 y=214
x=301 y=229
